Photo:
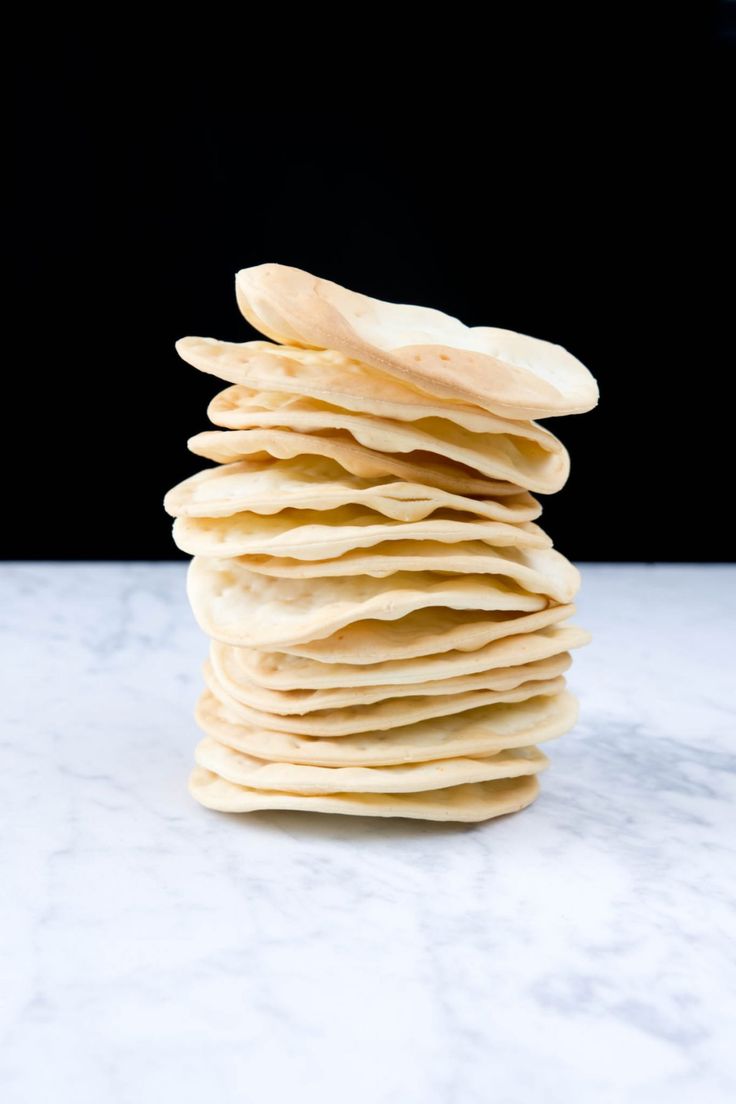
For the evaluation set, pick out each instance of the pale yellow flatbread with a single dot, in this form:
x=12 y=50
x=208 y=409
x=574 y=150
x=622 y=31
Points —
x=315 y=483
x=244 y=770
x=281 y=671
x=331 y=378
x=324 y=534
x=543 y=570
x=500 y=370
x=483 y=731
x=530 y=456
x=229 y=445
x=237 y=606
x=390 y=713
x=290 y=702
x=473 y=802
x=423 y=633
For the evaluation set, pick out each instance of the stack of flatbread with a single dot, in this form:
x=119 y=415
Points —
x=389 y=624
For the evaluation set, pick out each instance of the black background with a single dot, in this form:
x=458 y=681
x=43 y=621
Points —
x=583 y=201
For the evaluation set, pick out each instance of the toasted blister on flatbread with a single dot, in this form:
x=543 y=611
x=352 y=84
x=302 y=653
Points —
x=482 y=731
x=289 y=673
x=315 y=483
x=472 y=802
x=524 y=453
x=324 y=534
x=299 y=702
x=239 y=607
x=227 y=446
x=330 y=377
x=244 y=770
x=495 y=369
x=389 y=713
x=424 y=632
x=542 y=571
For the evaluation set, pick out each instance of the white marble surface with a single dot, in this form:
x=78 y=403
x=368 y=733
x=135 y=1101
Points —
x=154 y=951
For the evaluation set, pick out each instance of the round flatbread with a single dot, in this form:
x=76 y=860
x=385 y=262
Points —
x=288 y=673
x=322 y=535
x=244 y=770
x=473 y=802
x=389 y=713
x=329 y=377
x=524 y=454
x=315 y=483
x=424 y=633
x=495 y=369
x=543 y=570
x=239 y=607
x=482 y=731
x=299 y=702
x=229 y=445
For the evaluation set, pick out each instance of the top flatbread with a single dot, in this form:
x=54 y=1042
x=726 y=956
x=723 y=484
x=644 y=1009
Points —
x=519 y=376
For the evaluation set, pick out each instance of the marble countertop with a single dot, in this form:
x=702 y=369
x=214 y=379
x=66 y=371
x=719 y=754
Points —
x=154 y=951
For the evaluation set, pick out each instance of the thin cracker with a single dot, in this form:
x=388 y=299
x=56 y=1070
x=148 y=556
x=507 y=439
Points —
x=482 y=731
x=245 y=770
x=239 y=607
x=474 y=802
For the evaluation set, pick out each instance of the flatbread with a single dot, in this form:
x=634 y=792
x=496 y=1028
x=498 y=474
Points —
x=229 y=445
x=424 y=633
x=543 y=571
x=483 y=731
x=391 y=713
x=290 y=702
x=324 y=534
x=244 y=770
x=279 y=671
x=330 y=377
x=315 y=483
x=239 y=607
x=498 y=370
x=473 y=802
x=530 y=456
